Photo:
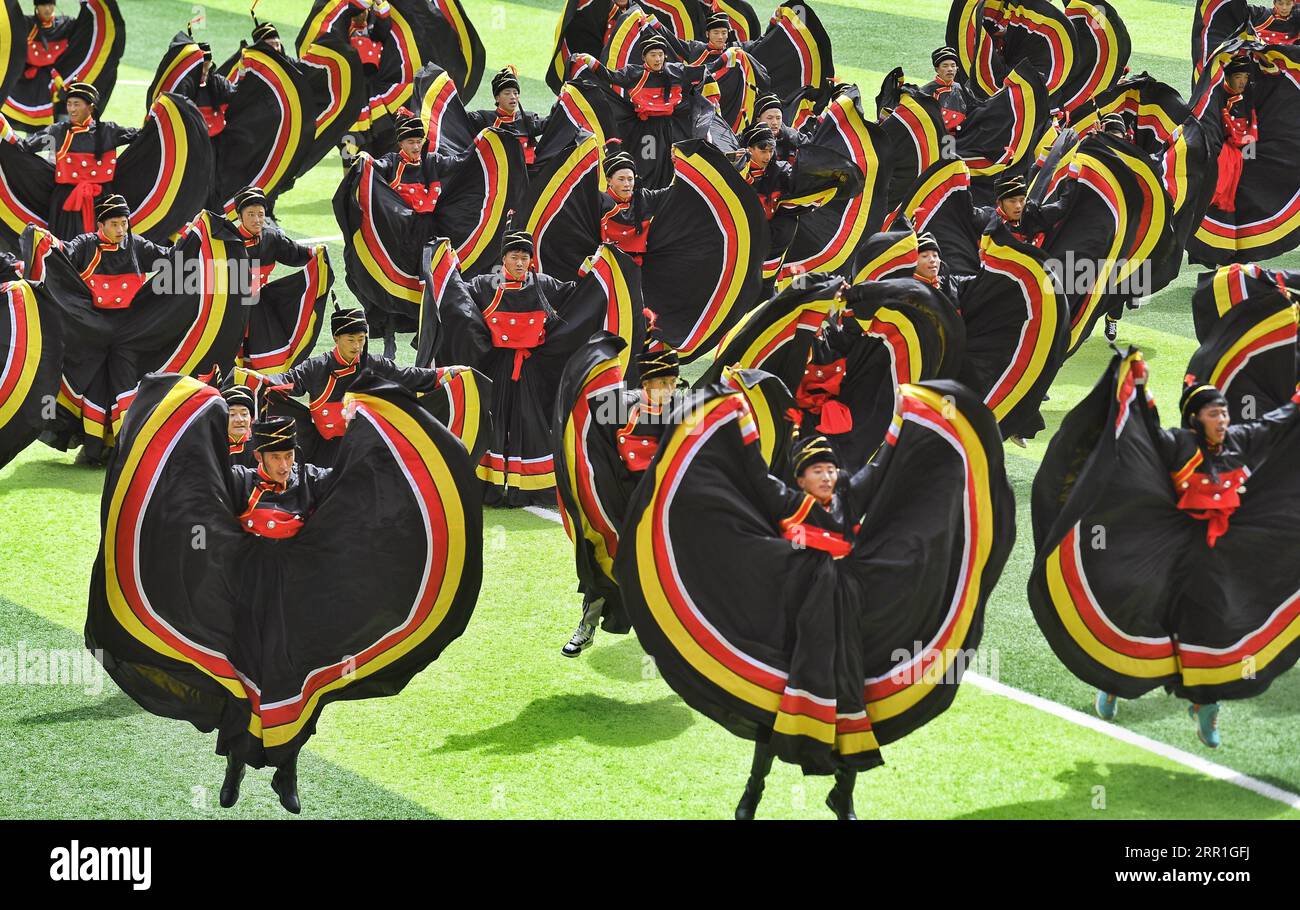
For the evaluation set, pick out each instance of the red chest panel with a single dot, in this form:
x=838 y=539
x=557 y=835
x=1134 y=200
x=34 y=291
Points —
x=952 y=119
x=770 y=202
x=517 y=331
x=261 y=274
x=45 y=54
x=815 y=538
x=83 y=167
x=1267 y=35
x=656 y=102
x=268 y=522
x=368 y=49
x=1201 y=492
x=215 y=118
x=419 y=196
x=530 y=153
x=636 y=451
x=821 y=381
x=328 y=419
x=115 y=292
x=625 y=236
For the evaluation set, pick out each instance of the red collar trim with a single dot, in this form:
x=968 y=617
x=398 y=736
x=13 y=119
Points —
x=271 y=486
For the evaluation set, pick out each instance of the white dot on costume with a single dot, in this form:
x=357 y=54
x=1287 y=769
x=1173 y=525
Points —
x=494 y=319
x=622 y=439
x=250 y=522
x=1241 y=489
x=270 y=524
x=1226 y=484
x=117 y=299
x=1184 y=485
x=512 y=322
x=99 y=300
x=1205 y=480
x=645 y=442
x=92 y=173
x=531 y=321
x=74 y=173
x=505 y=337
x=1217 y=496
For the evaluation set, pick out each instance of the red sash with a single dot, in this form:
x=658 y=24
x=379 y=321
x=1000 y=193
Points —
x=655 y=102
x=815 y=538
x=818 y=394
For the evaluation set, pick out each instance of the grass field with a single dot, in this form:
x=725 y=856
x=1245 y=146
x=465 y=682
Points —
x=502 y=726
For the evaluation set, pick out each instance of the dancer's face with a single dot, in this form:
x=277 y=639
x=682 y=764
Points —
x=45 y=11
x=718 y=38
x=1013 y=207
x=659 y=391
x=240 y=421
x=927 y=265
x=1214 y=420
x=1282 y=8
x=622 y=184
x=772 y=117
x=276 y=465
x=515 y=263
x=115 y=228
x=508 y=100
x=818 y=479
x=1237 y=82
x=947 y=70
x=761 y=155
x=253 y=218
x=411 y=147
x=78 y=111
x=654 y=60
x=350 y=345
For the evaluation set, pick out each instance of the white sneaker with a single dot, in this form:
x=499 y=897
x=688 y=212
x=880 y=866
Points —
x=581 y=640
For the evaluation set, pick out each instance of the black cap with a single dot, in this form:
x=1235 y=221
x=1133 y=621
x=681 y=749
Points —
x=1115 y=124
x=1011 y=187
x=766 y=103
x=759 y=135
x=926 y=242
x=83 y=90
x=717 y=20
x=264 y=31
x=111 y=206
x=249 y=195
x=942 y=54
x=812 y=450
x=654 y=43
x=616 y=159
x=410 y=128
x=508 y=77
x=658 y=361
x=1238 y=65
x=348 y=322
x=275 y=434
x=517 y=241
x=239 y=395
x=1196 y=397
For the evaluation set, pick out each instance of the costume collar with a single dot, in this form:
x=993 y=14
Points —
x=338 y=358
x=105 y=244
x=271 y=486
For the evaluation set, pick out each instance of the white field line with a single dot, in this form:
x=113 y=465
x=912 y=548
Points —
x=1174 y=754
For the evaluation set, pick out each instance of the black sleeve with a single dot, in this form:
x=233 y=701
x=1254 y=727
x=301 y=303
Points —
x=298 y=378
x=290 y=252
x=220 y=88
x=480 y=120
x=119 y=135
x=1048 y=215
x=37 y=140
x=416 y=379
x=147 y=252
x=75 y=249
x=983 y=216
x=380 y=28
x=1254 y=438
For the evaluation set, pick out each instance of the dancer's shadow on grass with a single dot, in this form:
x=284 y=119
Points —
x=599 y=720
x=1127 y=790
x=623 y=661
x=112 y=708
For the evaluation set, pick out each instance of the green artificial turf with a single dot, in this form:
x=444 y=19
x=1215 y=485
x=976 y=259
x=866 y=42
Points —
x=502 y=726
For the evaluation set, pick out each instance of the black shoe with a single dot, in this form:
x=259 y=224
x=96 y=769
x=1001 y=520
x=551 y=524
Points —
x=748 y=804
x=285 y=784
x=840 y=799
x=1112 y=328
x=230 y=786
